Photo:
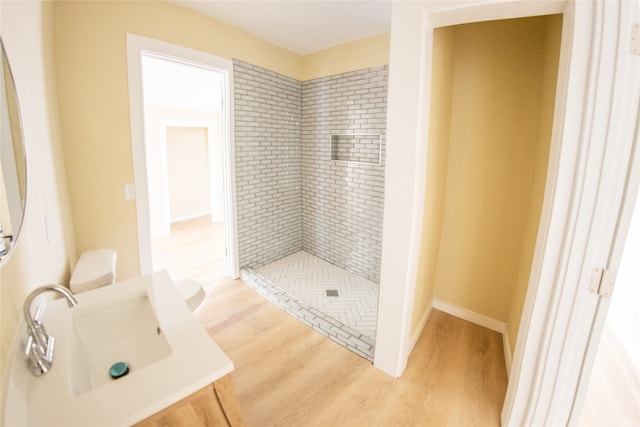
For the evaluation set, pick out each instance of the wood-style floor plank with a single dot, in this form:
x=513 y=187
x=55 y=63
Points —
x=193 y=250
x=288 y=375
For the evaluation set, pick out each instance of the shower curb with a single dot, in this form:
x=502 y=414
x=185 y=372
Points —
x=331 y=328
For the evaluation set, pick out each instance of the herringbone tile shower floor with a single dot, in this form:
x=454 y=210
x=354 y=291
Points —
x=308 y=278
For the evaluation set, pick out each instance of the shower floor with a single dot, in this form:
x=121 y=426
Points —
x=298 y=283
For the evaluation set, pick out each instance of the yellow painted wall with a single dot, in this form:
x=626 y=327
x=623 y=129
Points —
x=550 y=57
x=27 y=30
x=368 y=52
x=501 y=111
x=94 y=103
x=437 y=161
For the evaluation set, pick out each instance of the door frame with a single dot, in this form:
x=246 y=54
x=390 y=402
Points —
x=585 y=221
x=136 y=46
x=590 y=182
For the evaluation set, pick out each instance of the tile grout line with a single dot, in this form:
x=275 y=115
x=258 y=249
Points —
x=333 y=329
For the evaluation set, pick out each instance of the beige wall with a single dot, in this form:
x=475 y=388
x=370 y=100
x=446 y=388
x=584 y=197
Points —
x=28 y=31
x=550 y=39
x=504 y=74
x=437 y=162
x=188 y=170
x=94 y=105
x=369 y=52
x=156 y=119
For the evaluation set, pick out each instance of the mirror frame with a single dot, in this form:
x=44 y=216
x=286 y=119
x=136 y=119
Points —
x=8 y=242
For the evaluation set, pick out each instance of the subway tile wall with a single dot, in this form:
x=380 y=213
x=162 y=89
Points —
x=290 y=194
x=342 y=202
x=267 y=156
x=359 y=148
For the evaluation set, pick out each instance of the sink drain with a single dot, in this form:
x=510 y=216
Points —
x=118 y=370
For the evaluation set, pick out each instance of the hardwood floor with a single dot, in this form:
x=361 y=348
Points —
x=288 y=375
x=194 y=250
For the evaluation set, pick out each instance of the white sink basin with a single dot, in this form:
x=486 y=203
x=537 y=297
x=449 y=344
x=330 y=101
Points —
x=142 y=322
x=123 y=330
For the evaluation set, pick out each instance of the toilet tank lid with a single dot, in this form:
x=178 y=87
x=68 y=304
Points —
x=97 y=264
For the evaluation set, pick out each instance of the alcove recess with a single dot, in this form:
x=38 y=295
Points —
x=490 y=122
x=357 y=148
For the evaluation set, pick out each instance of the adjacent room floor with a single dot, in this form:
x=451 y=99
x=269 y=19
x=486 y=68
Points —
x=194 y=250
x=288 y=375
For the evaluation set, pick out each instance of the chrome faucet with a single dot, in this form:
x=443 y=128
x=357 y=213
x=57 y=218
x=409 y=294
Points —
x=39 y=347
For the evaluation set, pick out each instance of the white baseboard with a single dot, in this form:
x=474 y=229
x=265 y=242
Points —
x=479 y=319
x=188 y=217
x=471 y=316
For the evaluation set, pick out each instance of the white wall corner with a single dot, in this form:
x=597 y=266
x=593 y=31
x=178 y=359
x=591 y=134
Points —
x=404 y=179
x=418 y=332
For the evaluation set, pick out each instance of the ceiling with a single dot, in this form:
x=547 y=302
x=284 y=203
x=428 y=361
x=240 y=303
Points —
x=301 y=26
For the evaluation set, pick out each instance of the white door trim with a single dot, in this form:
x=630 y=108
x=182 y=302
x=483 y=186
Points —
x=136 y=45
x=590 y=194
x=584 y=202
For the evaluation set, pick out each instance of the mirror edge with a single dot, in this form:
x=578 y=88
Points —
x=12 y=240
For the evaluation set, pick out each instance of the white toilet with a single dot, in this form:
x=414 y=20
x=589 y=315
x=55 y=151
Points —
x=95 y=268
x=191 y=293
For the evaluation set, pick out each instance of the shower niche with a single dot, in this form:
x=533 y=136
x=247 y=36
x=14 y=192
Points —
x=357 y=148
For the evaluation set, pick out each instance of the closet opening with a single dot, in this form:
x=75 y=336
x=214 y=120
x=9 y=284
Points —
x=491 y=118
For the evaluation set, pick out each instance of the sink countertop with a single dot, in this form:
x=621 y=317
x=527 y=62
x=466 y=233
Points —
x=195 y=361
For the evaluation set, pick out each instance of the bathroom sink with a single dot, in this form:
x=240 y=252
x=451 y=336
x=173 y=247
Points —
x=143 y=322
x=123 y=330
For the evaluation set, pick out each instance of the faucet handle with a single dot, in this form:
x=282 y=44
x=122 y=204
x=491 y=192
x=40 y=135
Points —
x=48 y=357
x=28 y=347
x=39 y=313
x=39 y=348
x=39 y=363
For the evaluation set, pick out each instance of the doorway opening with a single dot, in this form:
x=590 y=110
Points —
x=183 y=162
x=492 y=112
x=183 y=141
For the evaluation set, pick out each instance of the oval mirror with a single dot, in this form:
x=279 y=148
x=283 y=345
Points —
x=13 y=170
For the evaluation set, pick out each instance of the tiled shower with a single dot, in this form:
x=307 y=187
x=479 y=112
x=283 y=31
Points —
x=310 y=191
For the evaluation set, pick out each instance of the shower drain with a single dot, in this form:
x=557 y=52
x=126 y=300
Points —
x=332 y=292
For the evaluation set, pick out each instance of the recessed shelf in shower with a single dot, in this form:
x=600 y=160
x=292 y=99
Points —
x=357 y=148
